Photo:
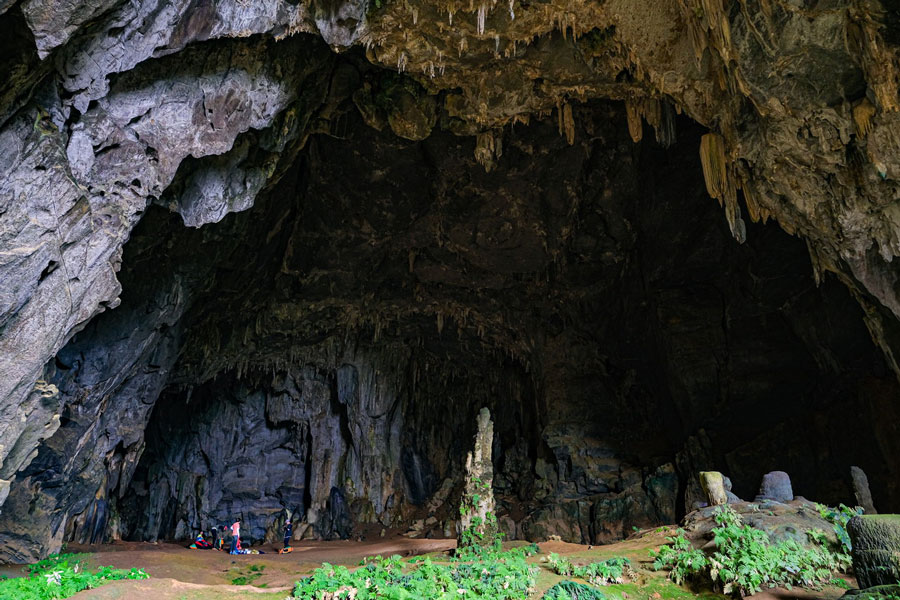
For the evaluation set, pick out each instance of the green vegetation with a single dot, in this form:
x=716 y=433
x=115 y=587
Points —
x=839 y=517
x=480 y=540
x=62 y=576
x=248 y=575
x=745 y=561
x=605 y=572
x=570 y=590
x=498 y=576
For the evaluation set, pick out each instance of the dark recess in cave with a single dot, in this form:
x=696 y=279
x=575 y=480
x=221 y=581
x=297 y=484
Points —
x=326 y=351
x=631 y=333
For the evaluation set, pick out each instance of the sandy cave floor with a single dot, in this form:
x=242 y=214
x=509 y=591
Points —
x=179 y=573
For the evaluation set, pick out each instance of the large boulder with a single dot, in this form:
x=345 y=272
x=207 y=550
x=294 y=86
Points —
x=780 y=521
x=713 y=484
x=776 y=486
x=876 y=549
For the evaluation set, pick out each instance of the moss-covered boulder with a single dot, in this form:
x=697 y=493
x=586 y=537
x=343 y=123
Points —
x=876 y=549
x=879 y=592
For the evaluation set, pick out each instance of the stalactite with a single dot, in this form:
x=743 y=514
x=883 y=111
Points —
x=816 y=263
x=751 y=200
x=567 y=122
x=488 y=148
x=482 y=16
x=879 y=61
x=715 y=167
x=863 y=114
x=665 y=130
x=635 y=124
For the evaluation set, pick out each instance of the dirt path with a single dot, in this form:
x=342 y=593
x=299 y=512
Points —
x=270 y=570
x=178 y=573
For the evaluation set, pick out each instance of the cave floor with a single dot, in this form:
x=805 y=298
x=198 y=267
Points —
x=178 y=573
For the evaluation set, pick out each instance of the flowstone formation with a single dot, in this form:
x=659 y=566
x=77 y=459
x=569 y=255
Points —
x=323 y=235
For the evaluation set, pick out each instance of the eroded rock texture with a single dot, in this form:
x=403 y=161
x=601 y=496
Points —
x=463 y=209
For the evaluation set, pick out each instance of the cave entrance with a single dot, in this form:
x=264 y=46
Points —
x=325 y=352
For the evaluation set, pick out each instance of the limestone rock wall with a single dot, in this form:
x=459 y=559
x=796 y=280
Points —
x=450 y=186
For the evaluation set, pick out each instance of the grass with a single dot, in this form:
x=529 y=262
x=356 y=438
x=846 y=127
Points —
x=61 y=576
x=247 y=575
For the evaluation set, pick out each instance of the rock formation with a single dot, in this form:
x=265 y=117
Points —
x=861 y=490
x=876 y=549
x=477 y=510
x=323 y=234
x=776 y=486
x=714 y=486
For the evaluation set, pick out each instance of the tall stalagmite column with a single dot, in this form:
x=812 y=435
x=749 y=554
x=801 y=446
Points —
x=478 y=521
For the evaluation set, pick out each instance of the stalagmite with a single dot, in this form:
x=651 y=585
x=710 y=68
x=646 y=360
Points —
x=477 y=511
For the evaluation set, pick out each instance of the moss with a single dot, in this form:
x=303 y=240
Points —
x=666 y=590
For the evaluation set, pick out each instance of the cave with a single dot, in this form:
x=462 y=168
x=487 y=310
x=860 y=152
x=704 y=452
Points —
x=282 y=272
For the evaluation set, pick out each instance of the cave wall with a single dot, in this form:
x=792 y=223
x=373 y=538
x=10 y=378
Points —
x=331 y=346
x=478 y=189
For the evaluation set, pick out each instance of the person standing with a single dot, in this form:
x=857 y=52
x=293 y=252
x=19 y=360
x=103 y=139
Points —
x=235 y=535
x=288 y=533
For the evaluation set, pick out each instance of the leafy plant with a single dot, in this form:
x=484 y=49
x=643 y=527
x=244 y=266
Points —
x=481 y=539
x=61 y=576
x=839 y=517
x=560 y=564
x=745 y=561
x=505 y=576
x=612 y=570
x=570 y=590
x=680 y=558
x=841 y=583
x=605 y=572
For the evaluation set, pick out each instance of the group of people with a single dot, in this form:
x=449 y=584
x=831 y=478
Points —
x=233 y=531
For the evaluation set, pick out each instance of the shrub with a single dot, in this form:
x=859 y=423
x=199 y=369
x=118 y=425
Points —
x=745 y=561
x=61 y=576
